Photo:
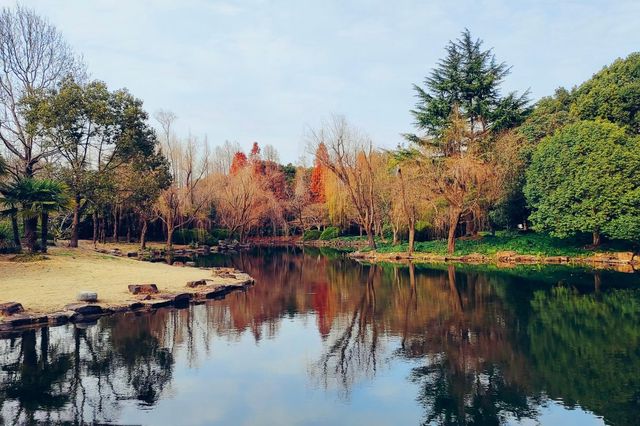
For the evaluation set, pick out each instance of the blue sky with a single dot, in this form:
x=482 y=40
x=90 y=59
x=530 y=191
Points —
x=267 y=70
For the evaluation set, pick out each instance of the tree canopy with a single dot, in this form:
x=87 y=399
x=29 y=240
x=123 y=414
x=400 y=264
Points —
x=584 y=178
x=468 y=78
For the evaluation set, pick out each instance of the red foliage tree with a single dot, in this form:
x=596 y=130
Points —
x=239 y=162
x=318 y=175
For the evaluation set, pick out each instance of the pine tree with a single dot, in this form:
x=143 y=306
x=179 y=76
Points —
x=469 y=79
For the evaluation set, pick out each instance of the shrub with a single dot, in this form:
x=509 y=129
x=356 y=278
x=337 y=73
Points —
x=311 y=234
x=330 y=233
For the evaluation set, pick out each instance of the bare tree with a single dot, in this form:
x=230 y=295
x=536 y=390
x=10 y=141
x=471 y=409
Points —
x=187 y=198
x=270 y=154
x=33 y=57
x=350 y=157
x=242 y=200
x=223 y=156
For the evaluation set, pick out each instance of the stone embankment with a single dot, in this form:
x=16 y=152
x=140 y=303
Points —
x=144 y=296
x=621 y=261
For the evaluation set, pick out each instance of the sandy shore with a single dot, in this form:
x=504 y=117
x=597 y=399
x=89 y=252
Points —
x=48 y=285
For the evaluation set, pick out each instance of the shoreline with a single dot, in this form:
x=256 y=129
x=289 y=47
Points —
x=46 y=292
x=620 y=261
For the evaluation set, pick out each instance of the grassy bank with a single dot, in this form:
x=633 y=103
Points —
x=488 y=245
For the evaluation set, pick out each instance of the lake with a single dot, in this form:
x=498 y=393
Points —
x=321 y=339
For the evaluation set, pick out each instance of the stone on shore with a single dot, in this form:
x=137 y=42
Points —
x=143 y=288
x=87 y=296
x=10 y=308
x=197 y=283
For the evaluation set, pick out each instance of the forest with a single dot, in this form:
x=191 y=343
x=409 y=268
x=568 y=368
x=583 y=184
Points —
x=81 y=160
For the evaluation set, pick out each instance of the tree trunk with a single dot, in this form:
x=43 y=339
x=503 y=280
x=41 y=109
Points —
x=30 y=233
x=75 y=223
x=103 y=230
x=16 y=230
x=454 y=218
x=469 y=225
x=412 y=236
x=169 y=239
x=44 y=219
x=596 y=238
x=115 y=225
x=143 y=235
x=395 y=235
x=370 y=237
x=95 y=228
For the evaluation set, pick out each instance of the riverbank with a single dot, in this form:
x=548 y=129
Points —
x=51 y=284
x=502 y=249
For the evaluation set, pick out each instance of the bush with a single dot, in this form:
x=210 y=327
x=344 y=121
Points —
x=6 y=239
x=311 y=234
x=330 y=233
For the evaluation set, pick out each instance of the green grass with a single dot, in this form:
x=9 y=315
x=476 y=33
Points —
x=525 y=243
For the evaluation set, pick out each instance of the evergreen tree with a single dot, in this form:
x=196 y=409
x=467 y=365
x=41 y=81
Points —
x=469 y=78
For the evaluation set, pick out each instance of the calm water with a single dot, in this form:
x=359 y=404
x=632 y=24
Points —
x=324 y=340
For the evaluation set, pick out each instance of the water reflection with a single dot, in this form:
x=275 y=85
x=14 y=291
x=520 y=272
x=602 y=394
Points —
x=460 y=344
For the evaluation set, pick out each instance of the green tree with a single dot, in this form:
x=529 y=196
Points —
x=33 y=198
x=612 y=94
x=469 y=79
x=50 y=196
x=584 y=178
x=514 y=150
x=462 y=113
x=94 y=132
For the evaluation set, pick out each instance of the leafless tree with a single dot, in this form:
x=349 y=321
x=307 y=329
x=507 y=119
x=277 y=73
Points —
x=33 y=57
x=350 y=157
x=223 y=156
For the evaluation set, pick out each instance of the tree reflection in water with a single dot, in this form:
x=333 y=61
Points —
x=484 y=346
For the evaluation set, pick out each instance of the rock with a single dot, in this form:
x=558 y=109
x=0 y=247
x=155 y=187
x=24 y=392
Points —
x=143 y=288
x=474 y=258
x=624 y=256
x=20 y=320
x=177 y=298
x=527 y=258
x=505 y=256
x=556 y=259
x=83 y=309
x=222 y=270
x=190 y=263
x=197 y=283
x=59 y=318
x=132 y=254
x=10 y=308
x=156 y=303
x=135 y=305
x=87 y=296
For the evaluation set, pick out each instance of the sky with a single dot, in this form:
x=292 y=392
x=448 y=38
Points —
x=269 y=70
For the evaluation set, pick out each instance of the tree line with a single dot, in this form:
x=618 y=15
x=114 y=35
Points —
x=82 y=160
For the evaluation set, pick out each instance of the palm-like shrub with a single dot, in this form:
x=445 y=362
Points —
x=32 y=198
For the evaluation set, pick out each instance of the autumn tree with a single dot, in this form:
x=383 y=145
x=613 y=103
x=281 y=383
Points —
x=350 y=157
x=462 y=113
x=242 y=200
x=238 y=163
x=187 y=198
x=457 y=170
x=318 y=175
